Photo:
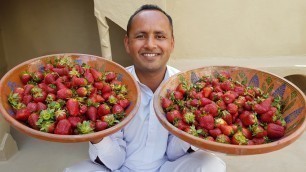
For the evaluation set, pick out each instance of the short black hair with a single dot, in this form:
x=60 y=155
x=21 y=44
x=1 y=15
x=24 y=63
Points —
x=148 y=7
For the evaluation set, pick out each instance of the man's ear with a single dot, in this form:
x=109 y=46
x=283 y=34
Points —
x=172 y=43
x=126 y=44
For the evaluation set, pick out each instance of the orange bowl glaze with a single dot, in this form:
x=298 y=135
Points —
x=294 y=110
x=11 y=80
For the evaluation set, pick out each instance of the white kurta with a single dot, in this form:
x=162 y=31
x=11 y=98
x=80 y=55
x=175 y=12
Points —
x=144 y=144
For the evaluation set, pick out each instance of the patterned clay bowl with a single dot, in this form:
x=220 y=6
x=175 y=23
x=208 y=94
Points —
x=294 y=110
x=11 y=80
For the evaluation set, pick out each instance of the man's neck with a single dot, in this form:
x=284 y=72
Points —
x=152 y=80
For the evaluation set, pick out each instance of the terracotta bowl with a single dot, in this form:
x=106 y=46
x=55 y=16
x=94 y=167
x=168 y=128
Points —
x=11 y=80
x=294 y=110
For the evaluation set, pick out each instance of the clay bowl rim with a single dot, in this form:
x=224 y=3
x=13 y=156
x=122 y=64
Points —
x=68 y=138
x=221 y=147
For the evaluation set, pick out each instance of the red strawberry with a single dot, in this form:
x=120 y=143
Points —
x=219 y=122
x=63 y=127
x=173 y=116
x=204 y=101
x=60 y=85
x=25 y=77
x=232 y=108
x=28 y=88
x=209 y=138
x=61 y=71
x=27 y=99
x=259 y=141
x=37 y=76
x=215 y=96
x=83 y=109
x=239 y=89
x=50 y=97
x=74 y=120
x=221 y=104
x=19 y=91
x=85 y=127
x=64 y=93
x=99 y=85
x=88 y=76
x=32 y=120
x=207 y=91
x=78 y=82
x=50 y=78
x=227 y=130
x=92 y=113
x=41 y=106
x=40 y=97
x=51 y=88
x=43 y=86
x=98 y=76
x=47 y=127
x=117 y=109
x=60 y=114
x=104 y=109
x=166 y=103
x=228 y=97
x=275 y=131
x=247 y=133
x=258 y=131
x=247 y=118
x=110 y=76
x=82 y=91
x=182 y=88
x=100 y=125
x=264 y=106
x=32 y=107
x=215 y=132
x=227 y=85
x=73 y=108
x=227 y=117
x=106 y=88
x=109 y=119
x=222 y=138
x=189 y=118
x=269 y=116
x=239 y=139
x=211 y=109
x=180 y=124
x=124 y=103
x=206 y=121
x=178 y=95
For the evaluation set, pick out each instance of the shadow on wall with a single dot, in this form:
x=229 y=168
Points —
x=116 y=35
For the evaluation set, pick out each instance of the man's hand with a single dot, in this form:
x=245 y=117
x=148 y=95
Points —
x=96 y=141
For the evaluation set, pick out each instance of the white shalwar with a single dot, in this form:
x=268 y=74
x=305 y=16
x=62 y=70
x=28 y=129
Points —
x=144 y=145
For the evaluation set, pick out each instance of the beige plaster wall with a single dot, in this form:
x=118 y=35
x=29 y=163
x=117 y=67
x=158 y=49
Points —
x=239 y=28
x=38 y=27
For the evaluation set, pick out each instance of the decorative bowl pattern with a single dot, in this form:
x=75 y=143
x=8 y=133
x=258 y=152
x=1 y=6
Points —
x=294 y=110
x=11 y=80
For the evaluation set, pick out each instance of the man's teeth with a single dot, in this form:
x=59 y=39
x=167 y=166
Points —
x=150 y=55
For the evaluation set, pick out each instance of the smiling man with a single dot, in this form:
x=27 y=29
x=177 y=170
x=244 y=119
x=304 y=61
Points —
x=144 y=144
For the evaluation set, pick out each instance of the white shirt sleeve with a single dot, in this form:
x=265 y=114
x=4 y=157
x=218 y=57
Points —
x=110 y=150
x=176 y=148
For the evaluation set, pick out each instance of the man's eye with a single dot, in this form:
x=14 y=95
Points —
x=160 y=37
x=139 y=36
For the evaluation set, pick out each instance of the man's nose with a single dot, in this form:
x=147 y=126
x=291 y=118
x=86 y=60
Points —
x=150 y=43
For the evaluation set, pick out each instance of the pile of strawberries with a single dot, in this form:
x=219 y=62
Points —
x=216 y=108
x=66 y=98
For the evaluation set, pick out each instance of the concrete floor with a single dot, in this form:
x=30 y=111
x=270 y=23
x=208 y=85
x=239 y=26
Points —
x=43 y=156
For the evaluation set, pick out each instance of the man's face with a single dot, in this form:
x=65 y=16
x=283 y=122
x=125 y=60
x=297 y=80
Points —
x=150 y=41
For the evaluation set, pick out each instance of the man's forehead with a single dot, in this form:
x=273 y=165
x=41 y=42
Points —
x=148 y=19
